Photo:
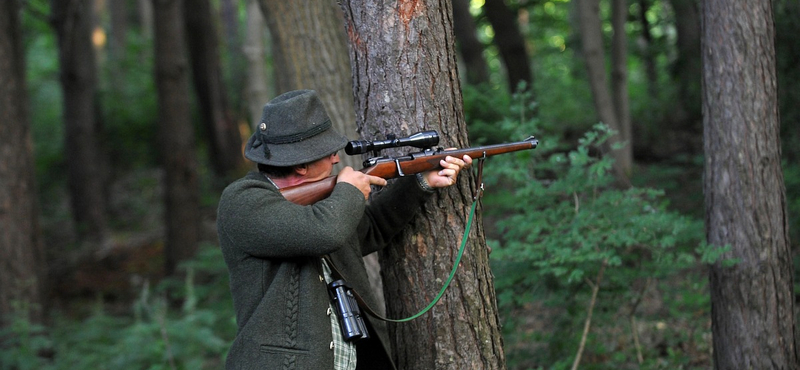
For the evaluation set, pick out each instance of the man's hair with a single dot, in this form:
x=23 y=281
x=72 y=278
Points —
x=276 y=171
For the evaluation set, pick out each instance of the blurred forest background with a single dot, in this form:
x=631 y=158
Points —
x=135 y=280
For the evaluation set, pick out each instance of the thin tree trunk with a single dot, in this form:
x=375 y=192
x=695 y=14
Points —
x=230 y=26
x=72 y=20
x=510 y=43
x=22 y=264
x=406 y=80
x=619 y=77
x=258 y=91
x=587 y=323
x=470 y=48
x=752 y=301
x=647 y=51
x=687 y=68
x=236 y=66
x=146 y=18
x=176 y=135
x=118 y=14
x=220 y=127
x=118 y=10
x=594 y=55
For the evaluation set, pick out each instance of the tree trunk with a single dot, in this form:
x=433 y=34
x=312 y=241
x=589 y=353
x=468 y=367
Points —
x=687 y=68
x=176 y=135
x=406 y=80
x=118 y=10
x=22 y=268
x=752 y=304
x=236 y=66
x=118 y=16
x=310 y=52
x=510 y=43
x=647 y=51
x=221 y=130
x=72 y=20
x=230 y=26
x=146 y=18
x=619 y=76
x=594 y=56
x=470 y=48
x=258 y=91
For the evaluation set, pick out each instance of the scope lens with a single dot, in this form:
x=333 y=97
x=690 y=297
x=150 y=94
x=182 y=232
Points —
x=357 y=147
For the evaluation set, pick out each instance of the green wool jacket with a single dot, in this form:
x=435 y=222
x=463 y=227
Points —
x=273 y=251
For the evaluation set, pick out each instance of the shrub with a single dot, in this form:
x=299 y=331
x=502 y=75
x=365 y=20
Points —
x=155 y=335
x=566 y=230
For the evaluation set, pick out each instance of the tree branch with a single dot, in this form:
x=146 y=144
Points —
x=588 y=323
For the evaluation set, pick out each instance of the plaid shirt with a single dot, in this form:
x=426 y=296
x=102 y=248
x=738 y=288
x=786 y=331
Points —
x=344 y=353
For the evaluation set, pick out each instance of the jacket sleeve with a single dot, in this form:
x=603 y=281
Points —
x=254 y=217
x=388 y=212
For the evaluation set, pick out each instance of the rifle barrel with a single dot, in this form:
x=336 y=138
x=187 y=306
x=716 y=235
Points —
x=388 y=168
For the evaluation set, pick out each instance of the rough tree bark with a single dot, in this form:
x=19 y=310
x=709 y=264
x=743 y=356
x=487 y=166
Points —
x=406 y=80
x=176 y=135
x=72 y=20
x=752 y=303
x=22 y=265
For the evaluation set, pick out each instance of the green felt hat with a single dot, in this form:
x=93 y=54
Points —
x=294 y=129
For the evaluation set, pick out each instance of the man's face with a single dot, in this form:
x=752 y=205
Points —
x=322 y=168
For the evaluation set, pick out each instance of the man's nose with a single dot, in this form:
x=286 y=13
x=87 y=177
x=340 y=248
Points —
x=335 y=158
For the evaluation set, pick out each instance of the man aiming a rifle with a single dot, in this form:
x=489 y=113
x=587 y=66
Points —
x=285 y=312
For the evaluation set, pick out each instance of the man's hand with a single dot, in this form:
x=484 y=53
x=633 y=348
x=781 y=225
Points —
x=448 y=175
x=360 y=180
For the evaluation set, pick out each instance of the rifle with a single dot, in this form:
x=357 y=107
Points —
x=391 y=167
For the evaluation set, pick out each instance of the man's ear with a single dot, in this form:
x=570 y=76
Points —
x=301 y=169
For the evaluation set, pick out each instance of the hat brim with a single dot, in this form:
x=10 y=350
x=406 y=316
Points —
x=285 y=155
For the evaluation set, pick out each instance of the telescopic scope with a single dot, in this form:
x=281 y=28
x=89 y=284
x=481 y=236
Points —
x=422 y=140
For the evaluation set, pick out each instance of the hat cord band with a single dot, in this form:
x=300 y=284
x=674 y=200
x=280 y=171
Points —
x=288 y=139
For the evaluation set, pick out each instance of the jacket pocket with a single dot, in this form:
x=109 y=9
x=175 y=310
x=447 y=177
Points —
x=283 y=358
x=283 y=350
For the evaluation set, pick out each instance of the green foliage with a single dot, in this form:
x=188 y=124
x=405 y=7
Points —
x=560 y=222
x=22 y=341
x=565 y=214
x=483 y=106
x=154 y=336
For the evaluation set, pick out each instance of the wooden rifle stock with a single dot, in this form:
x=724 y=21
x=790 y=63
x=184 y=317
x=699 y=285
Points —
x=392 y=167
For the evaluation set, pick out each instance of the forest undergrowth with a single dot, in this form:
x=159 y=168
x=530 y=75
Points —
x=567 y=245
x=585 y=272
